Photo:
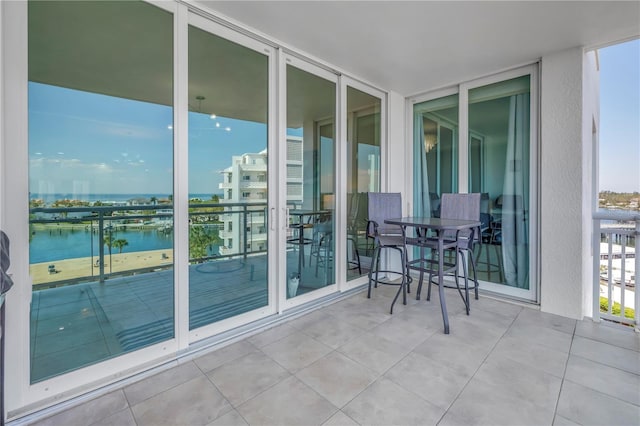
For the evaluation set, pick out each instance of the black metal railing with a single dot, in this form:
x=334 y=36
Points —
x=103 y=220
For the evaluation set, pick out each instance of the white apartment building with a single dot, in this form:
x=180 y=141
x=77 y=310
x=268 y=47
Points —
x=245 y=182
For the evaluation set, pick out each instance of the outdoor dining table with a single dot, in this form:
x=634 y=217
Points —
x=441 y=227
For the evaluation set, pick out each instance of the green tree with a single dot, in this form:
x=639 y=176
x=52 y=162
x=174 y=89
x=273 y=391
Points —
x=120 y=244
x=200 y=237
x=108 y=241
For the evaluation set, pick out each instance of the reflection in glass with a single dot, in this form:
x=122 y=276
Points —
x=499 y=128
x=228 y=109
x=435 y=153
x=311 y=105
x=100 y=181
x=363 y=175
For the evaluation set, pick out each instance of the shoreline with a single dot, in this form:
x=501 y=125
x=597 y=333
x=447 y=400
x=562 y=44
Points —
x=85 y=266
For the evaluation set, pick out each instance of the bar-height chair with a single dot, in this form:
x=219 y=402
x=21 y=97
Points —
x=383 y=206
x=490 y=236
x=461 y=207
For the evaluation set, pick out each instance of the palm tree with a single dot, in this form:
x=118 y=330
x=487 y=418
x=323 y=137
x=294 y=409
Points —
x=109 y=243
x=120 y=244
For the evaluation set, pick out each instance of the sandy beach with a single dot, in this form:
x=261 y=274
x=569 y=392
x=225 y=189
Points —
x=85 y=267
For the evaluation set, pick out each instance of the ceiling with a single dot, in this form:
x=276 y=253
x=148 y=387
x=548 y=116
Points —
x=415 y=46
x=123 y=48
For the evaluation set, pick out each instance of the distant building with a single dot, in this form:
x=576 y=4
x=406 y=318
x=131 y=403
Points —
x=245 y=181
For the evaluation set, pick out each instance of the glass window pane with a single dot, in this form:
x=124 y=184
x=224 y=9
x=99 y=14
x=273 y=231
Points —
x=499 y=129
x=311 y=105
x=363 y=175
x=100 y=181
x=228 y=110
x=435 y=153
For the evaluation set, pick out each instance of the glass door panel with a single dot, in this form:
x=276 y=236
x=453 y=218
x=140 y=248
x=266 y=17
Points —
x=499 y=158
x=228 y=175
x=363 y=175
x=100 y=181
x=310 y=185
x=435 y=153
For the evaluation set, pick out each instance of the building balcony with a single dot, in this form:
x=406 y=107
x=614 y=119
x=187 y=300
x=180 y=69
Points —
x=225 y=185
x=256 y=237
x=227 y=234
x=253 y=167
x=247 y=184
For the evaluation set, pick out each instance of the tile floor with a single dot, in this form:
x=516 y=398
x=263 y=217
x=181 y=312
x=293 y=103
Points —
x=351 y=363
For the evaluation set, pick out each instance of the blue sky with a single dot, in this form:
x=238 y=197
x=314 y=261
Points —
x=85 y=143
x=620 y=117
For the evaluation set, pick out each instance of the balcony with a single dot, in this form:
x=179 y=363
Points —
x=504 y=364
x=616 y=264
x=106 y=294
x=247 y=184
x=253 y=167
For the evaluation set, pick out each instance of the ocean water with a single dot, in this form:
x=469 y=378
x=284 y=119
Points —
x=51 y=244
x=50 y=198
x=54 y=244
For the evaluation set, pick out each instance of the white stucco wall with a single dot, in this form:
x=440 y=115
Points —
x=396 y=159
x=562 y=181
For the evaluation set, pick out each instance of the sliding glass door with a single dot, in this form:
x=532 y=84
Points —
x=228 y=176
x=499 y=167
x=184 y=180
x=363 y=151
x=310 y=179
x=100 y=182
x=495 y=159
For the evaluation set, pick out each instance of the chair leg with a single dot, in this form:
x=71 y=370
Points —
x=402 y=284
x=421 y=277
x=378 y=256
x=500 y=263
x=433 y=253
x=475 y=274
x=355 y=248
x=405 y=269
x=466 y=279
x=376 y=251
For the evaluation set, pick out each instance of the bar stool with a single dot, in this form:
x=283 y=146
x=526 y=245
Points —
x=490 y=236
x=383 y=206
x=463 y=207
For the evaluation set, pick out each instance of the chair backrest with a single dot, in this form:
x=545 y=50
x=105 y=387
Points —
x=461 y=206
x=485 y=203
x=385 y=205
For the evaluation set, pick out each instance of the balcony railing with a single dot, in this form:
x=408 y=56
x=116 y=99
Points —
x=615 y=266
x=104 y=222
x=251 y=184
